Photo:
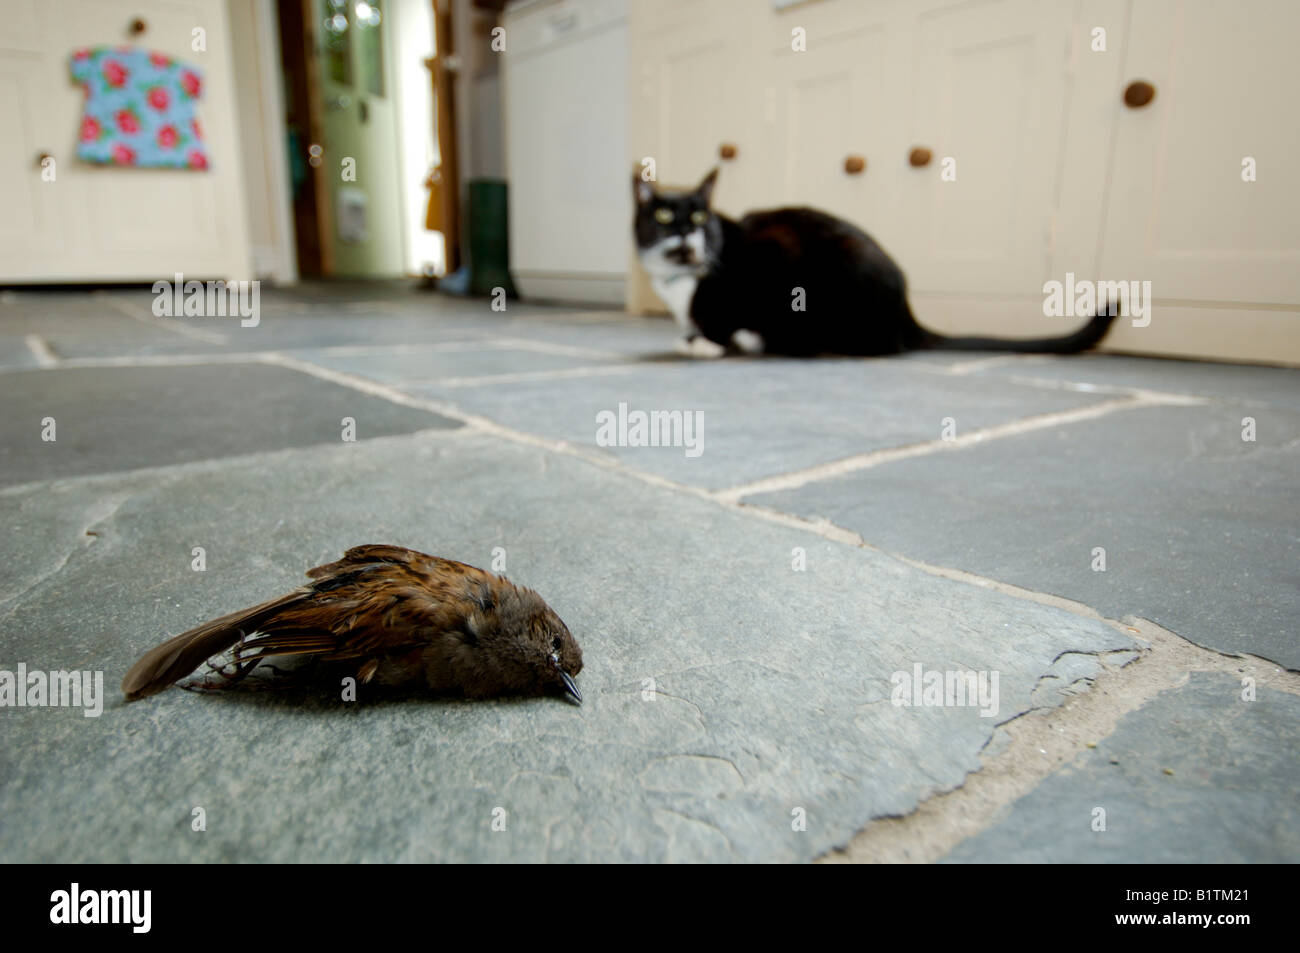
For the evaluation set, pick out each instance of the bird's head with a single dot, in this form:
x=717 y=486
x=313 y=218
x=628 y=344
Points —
x=563 y=657
x=525 y=645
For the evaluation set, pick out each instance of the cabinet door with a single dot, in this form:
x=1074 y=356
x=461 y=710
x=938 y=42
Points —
x=693 y=93
x=1179 y=213
x=30 y=227
x=833 y=77
x=989 y=88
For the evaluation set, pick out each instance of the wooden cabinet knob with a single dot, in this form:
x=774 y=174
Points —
x=727 y=150
x=920 y=156
x=137 y=27
x=1138 y=93
x=854 y=164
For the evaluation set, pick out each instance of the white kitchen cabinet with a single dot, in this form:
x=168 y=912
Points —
x=694 y=105
x=1180 y=213
x=829 y=119
x=988 y=84
x=566 y=101
x=93 y=223
x=1054 y=173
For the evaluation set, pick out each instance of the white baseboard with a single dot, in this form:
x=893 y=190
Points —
x=1213 y=331
x=579 y=289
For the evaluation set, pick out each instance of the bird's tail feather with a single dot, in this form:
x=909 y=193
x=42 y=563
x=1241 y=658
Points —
x=165 y=664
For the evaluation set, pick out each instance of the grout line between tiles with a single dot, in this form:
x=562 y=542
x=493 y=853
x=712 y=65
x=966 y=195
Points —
x=1043 y=741
x=41 y=350
x=167 y=324
x=863 y=461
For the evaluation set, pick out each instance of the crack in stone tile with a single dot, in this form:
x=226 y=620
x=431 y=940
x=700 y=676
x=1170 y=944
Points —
x=1041 y=741
x=99 y=513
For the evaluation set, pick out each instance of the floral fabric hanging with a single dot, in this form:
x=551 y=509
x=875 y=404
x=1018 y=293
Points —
x=139 y=109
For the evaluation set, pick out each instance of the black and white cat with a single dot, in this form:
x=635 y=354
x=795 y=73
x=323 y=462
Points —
x=736 y=285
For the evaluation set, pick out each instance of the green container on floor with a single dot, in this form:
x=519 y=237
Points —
x=489 y=238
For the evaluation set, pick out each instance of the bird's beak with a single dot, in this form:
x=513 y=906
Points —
x=570 y=686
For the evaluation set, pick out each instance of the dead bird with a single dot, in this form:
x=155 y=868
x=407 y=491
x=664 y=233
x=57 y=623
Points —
x=403 y=617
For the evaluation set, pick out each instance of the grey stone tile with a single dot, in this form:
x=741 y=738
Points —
x=291 y=333
x=618 y=333
x=110 y=419
x=1239 y=383
x=77 y=325
x=1201 y=530
x=1229 y=796
x=14 y=353
x=763 y=417
x=415 y=364
x=74 y=340
x=772 y=686
x=100 y=324
x=950 y=359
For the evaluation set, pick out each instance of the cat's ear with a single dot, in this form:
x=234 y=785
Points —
x=705 y=189
x=642 y=190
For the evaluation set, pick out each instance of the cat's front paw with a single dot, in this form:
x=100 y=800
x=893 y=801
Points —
x=697 y=345
x=748 y=342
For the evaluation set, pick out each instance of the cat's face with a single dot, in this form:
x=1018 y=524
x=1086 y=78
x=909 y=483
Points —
x=676 y=231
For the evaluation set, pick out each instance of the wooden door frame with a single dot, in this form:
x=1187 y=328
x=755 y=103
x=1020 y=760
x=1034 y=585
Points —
x=444 y=200
x=313 y=216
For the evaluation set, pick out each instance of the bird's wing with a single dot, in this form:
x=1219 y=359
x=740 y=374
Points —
x=375 y=553
x=180 y=655
x=375 y=599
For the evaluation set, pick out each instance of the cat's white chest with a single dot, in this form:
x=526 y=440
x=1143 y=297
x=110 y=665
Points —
x=677 y=292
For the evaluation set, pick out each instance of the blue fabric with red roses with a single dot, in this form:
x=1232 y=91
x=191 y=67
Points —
x=139 y=109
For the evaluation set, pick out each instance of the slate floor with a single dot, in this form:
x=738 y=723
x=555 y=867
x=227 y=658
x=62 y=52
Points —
x=746 y=612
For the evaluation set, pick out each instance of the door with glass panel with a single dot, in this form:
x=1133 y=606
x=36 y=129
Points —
x=358 y=153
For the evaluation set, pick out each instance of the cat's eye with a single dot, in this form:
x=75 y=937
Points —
x=699 y=217
x=664 y=215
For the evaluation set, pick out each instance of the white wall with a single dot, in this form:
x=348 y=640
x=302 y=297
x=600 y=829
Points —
x=478 y=95
x=412 y=38
x=255 y=50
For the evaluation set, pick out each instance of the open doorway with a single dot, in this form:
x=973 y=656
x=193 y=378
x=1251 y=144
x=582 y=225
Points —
x=359 y=82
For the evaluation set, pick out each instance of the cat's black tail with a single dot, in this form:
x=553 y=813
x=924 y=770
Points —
x=1086 y=337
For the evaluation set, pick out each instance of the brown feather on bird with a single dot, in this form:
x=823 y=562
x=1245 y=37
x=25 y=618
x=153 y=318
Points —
x=404 y=617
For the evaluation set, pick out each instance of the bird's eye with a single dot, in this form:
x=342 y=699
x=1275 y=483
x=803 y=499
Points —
x=555 y=644
x=664 y=215
x=699 y=216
